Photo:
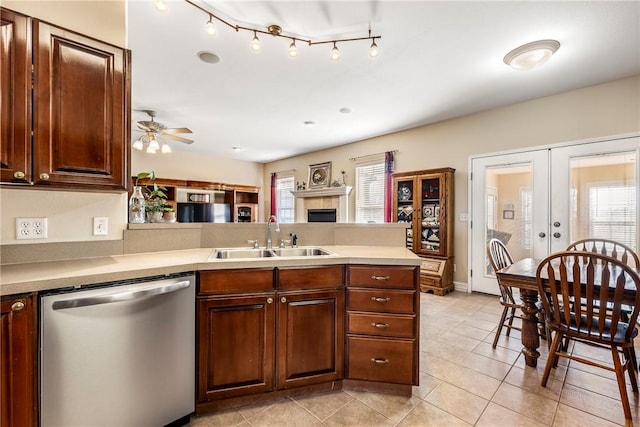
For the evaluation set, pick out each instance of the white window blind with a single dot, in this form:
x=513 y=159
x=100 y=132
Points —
x=284 y=199
x=526 y=217
x=612 y=213
x=370 y=191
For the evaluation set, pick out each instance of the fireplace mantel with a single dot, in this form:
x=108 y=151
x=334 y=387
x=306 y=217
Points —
x=328 y=197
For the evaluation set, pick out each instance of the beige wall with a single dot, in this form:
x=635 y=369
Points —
x=598 y=111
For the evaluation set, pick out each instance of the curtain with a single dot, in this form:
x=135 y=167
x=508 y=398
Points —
x=274 y=190
x=389 y=167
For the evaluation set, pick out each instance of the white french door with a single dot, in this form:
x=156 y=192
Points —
x=539 y=201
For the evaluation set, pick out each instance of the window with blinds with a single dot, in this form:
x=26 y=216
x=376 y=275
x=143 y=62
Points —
x=284 y=199
x=370 y=192
x=612 y=213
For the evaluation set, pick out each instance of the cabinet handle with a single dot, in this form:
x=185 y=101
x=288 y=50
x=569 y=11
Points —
x=17 y=306
x=44 y=176
x=269 y=300
x=381 y=277
x=283 y=299
x=19 y=175
x=378 y=299
x=379 y=361
x=380 y=325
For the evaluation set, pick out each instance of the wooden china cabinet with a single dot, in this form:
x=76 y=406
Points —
x=424 y=201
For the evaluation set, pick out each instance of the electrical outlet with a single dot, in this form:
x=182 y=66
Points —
x=464 y=217
x=31 y=228
x=100 y=226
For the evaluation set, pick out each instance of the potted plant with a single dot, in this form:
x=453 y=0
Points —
x=156 y=201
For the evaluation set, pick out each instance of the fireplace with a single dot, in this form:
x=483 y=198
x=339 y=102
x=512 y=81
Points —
x=321 y=215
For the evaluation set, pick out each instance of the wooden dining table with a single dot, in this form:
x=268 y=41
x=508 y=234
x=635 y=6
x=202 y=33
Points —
x=522 y=275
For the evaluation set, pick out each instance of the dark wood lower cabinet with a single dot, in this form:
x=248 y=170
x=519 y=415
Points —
x=236 y=346
x=18 y=361
x=310 y=337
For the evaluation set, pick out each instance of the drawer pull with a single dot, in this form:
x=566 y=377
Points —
x=269 y=300
x=381 y=277
x=380 y=325
x=17 y=306
x=378 y=299
x=379 y=361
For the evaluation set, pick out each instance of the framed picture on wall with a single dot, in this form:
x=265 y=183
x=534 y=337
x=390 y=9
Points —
x=319 y=175
x=508 y=214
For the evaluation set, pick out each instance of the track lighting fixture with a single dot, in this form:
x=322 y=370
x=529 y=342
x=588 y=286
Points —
x=211 y=29
x=293 y=50
x=335 y=53
x=276 y=31
x=255 y=43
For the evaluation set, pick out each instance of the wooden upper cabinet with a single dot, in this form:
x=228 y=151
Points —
x=81 y=110
x=15 y=97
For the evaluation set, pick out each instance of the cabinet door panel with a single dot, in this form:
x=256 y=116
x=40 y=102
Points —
x=236 y=346
x=15 y=98
x=80 y=131
x=310 y=337
x=17 y=362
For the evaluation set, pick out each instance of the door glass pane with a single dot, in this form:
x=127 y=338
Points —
x=509 y=209
x=603 y=197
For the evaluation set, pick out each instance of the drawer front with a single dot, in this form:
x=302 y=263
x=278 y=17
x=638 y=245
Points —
x=382 y=300
x=376 y=359
x=311 y=277
x=430 y=280
x=225 y=281
x=381 y=325
x=384 y=276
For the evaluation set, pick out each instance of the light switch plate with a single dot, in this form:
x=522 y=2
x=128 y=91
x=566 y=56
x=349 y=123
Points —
x=100 y=226
x=464 y=217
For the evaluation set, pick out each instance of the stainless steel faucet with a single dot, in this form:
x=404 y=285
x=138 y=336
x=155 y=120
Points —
x=272 y=219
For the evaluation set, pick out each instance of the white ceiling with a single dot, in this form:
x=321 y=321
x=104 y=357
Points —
x=438 y=60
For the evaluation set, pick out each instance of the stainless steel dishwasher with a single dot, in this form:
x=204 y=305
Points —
x=119 y=355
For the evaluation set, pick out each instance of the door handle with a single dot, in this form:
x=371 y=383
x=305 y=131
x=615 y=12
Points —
x=542 y=234
x=120 y=296
x=557 y=235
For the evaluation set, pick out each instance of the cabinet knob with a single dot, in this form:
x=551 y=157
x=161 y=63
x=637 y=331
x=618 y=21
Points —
x=379 y=361
x=19 y=175
x=269 y=300
x=17 y=306
x=283 y=299
x=380 y=325
x=44 y=176
x=381 y=277
x=542 y=234
x=378 y=299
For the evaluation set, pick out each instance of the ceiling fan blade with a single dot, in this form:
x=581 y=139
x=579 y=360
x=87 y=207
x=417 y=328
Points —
x=143 y=127
x=177 y=130
x=177 y=138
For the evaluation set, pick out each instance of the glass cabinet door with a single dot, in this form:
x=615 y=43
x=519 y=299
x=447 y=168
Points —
x=430 y=218
x=404 y=210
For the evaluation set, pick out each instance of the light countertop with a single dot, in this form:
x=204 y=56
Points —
x=40 y=276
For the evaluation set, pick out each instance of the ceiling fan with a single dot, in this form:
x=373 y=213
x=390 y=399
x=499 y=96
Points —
x=154 y=134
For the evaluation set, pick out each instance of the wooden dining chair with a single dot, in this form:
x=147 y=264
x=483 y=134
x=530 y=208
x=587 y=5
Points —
x=500 y=257
x=600 y=281
x=616 y=250
x=607 y=247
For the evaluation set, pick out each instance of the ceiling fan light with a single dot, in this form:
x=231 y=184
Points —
x=531 y=55
x=138 y=145
x=255 y=43
x=165 y=148
x=150 y=150
x=373 y=50
x=211 y=29
x=153 y=144
x=335 y=53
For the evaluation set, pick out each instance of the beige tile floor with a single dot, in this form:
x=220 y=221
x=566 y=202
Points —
x=463 y=382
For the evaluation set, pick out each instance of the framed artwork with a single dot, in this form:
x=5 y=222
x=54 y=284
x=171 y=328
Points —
x=508 y=214
x=319 y=175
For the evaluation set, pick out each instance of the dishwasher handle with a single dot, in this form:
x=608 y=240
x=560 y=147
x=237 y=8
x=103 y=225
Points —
x=121 y=296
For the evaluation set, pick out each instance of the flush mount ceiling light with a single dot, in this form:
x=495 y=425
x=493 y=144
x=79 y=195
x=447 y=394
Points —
x=276 y=31
x=531 y=55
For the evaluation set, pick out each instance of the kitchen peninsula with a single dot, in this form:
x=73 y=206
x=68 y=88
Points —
x=361 y=301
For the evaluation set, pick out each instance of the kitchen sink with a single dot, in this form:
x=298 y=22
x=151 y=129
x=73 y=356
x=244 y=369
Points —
x=233 y=253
